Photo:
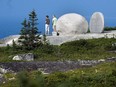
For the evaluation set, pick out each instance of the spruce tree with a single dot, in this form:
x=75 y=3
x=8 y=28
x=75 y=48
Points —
x=29 y=38
x=14 y=45
x=33 y=33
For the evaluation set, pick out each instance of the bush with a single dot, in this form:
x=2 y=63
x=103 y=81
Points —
x=76 y=46
x=23 y=79
x=105 y=77
x=111 y=47
x=26 y=80
x=48 y=49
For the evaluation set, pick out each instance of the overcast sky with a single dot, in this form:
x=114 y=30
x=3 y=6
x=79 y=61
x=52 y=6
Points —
x=12 y=12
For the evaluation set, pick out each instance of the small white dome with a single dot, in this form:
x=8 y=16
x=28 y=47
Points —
x=72 y=24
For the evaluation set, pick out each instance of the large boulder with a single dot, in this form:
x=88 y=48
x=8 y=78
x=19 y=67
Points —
x=97 y=23
x=25 y=57
x=71 y=24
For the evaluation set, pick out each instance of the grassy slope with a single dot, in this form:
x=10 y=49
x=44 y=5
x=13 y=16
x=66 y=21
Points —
x=103 y=75
x=82 y=49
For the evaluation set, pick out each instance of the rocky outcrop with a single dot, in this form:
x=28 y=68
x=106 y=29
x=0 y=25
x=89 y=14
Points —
x=48 y=67
x=52 y=66
x=58 y=40
x=9 y=39
x=24 y=57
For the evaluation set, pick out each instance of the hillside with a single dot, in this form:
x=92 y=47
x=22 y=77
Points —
x=85 y=63
x=8 y=40
x=103 y=75
x=101 y=48
x=58 y=40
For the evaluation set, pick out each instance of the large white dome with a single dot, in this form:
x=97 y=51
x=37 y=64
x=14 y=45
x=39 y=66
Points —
x=97 y=23
x=72 y=24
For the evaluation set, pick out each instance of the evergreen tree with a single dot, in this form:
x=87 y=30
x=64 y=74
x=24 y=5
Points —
x=44 y=40
x=8 y=47
x=33 y=33
x=14 y=45
x=29 y=38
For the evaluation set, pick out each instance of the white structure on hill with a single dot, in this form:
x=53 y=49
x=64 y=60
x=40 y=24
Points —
x=71 y=24
x=97 y=23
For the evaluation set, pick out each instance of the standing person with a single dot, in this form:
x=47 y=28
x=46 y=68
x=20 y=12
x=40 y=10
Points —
x=54 y=21
x=47 y=25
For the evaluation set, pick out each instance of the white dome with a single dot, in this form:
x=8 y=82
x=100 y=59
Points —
x=97 y=23
x=72 y=24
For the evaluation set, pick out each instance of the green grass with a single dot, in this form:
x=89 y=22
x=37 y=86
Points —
x=80 y=49
x=103 y=75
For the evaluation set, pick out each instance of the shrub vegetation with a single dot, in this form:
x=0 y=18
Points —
x=103 y=75
x=81 y=49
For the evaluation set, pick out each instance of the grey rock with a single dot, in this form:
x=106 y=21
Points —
x=97 y=23
x=71 y=24
x=58 y=40
x=3 y=45
x=101 y=60
x=9 y=39
x=2 y=79
x=2 y=70
x=52 y=66
x=111 y=59
x=25 y=57
x=54 y=33
x=88 y=62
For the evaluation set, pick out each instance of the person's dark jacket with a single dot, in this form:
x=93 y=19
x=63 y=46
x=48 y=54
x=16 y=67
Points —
x=48 y=21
